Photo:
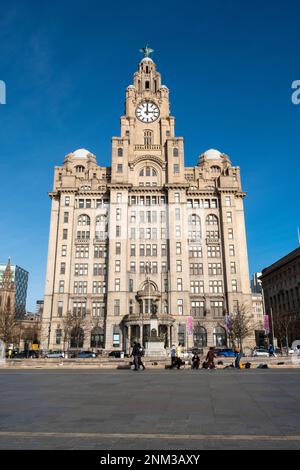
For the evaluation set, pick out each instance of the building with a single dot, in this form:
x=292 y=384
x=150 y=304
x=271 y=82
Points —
x=147 y=238
x=20 y=278
x=7 y=294
x=281 y=289
x=256 y=283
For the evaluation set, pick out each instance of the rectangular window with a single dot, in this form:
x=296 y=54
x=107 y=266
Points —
x=118 y=231
x=58 y=336
x=176 y=169
x=232 y=267
x=81 y=203
x=229 y=217
x=132 y=250
x=195 y=251
x=119 y=197
x=118 y=214
x=214 y=269
x=62 y=268
x=234 y=285
x=130 y=285
x=119 y=168
x=67 y=200
x=230 y=234
x=163 y=250
x=164 y=268
x=216 y=307
x=61 y=287
x=132 y=267
x=65 y=234
x=154 y=250
x=118 y=248
x=197 y=287
x=179 y=284
x=64 y=250
x=117 y=266
x=181 y=334
x=59 y=308
x=197 y=308
x=215 y=287
x=178 y=248
x=196 y=269
x=117 y=307
x=213 y=251
x=228 y=201
x=117 y=285
x=231 y=250
x=180 y=307
x=66 y=217
x=179 y=266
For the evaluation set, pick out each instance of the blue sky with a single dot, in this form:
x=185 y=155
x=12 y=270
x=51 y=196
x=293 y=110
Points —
x=229 y=66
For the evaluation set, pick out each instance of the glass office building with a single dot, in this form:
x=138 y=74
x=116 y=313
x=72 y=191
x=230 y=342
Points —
x=20 y=277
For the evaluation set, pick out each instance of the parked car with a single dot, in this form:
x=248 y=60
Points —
x=117 y=354
x=226 y=352
x=54 y=354
x=32 y=354
x=262 y=352
x=86 y=355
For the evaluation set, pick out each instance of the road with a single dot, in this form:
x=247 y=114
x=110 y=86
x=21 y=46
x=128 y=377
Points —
x=153 y=409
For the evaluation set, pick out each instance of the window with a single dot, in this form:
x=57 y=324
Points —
x=216 y=307
x=99 y=269
x=82 y=252
x=154 y=250
x=117 y=307
x=176 y=169
x=197 y=308
x=118 y=248
x=177 y=213
x=119 y=168
x=196 y=269
x=61 y=287
x=231 y=250
x=130 y=285
x=116 y=336
x=117 y=266
x=117 y=285
x=97 y=309
x=180 y=307
x=175 y=152
x=181 y=334
x=195 y=251
x=177 y=198
x=118 y=214
x=67 y=200
x=232 y=267
x=83 y=219
x=200 y=337
x=179 y=266
x=164 y=250
x=179 y=284
x=178 y=248
x=215 y=287
x=66 y=217
x=88 y=203
x=64 y=250
x=118 y=231
x=62 y=268
x=58 y=336
x=132 y=217
x=100 y=251
x=132 y=267
x=220 y=339
x=132 y=250
x=228 y=201
x=213 y=251
x=212 y=219
x=148 y=135
x=214 y=269
x=197 y=287
x=81 y=203
x=229 y=217
x=120 y=152
x=177 y=231
x=59 y=308
x=234 y=285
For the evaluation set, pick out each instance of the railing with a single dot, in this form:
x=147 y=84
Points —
x=147 y=147
x=82 y=241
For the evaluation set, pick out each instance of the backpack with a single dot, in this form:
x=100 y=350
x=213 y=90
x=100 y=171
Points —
x=141 y=350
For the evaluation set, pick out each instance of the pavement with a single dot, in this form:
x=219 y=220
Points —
x=151 y=409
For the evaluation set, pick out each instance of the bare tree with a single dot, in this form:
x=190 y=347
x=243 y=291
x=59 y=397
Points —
x=9 y=329
x=282 y=327
x=72 y=327
x=241 y=326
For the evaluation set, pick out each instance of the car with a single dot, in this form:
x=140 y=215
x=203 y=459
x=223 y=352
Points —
x=29 y=354
x=86 y=355
x=262 y=352
x=226 y=352
x=54 y=354
x=118 y=354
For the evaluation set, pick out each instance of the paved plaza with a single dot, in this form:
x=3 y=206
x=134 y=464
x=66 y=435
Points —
x=163 y=409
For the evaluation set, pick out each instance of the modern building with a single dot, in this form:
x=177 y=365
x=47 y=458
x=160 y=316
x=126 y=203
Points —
x=256 y=283
x=281 y=289
x=147 y=241
x=19 y=277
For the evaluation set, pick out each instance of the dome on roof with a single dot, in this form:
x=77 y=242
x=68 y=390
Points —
x=148 y=59
x=81 y=153
x=213 y=154
x=130 y=86
x=164 y=86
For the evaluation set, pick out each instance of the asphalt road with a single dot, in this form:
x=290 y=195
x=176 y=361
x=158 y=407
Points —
x=186 y=409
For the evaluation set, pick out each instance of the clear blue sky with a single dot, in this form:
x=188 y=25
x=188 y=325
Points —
x=229 y=66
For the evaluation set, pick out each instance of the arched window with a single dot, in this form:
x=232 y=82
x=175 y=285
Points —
x=97 y=338
x=220 y=337
x=77 y=337
x=148 y=137
x=194 y=229
x=200 y=337
x=79 y=169
x=212 y=219
x=120 y=152
x=215 y=169
x=84 y=219
x=148 y=171
x=175 y=152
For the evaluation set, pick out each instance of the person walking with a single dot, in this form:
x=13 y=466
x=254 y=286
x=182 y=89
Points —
x=135 y=354
x=173 y=356
x=271 y=351
x=178 y=355
x=210 y=358
x=140 y=362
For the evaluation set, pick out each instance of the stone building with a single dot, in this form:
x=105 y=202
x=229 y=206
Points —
x=19 y=277
x=147 y=238
x=281 y=289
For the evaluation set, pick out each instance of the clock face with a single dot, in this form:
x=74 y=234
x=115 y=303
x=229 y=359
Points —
x=147 y=111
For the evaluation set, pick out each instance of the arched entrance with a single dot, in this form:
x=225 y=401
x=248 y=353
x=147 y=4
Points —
x=200 y=337
x=97 y=337
x=220 y=337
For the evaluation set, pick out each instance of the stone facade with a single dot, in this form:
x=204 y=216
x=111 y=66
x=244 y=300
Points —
x=147 y=241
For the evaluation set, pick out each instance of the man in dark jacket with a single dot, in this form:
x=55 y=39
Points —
x=136 y=355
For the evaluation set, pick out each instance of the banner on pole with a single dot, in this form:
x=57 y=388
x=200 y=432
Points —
x=266 y=324
x=189 y=325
